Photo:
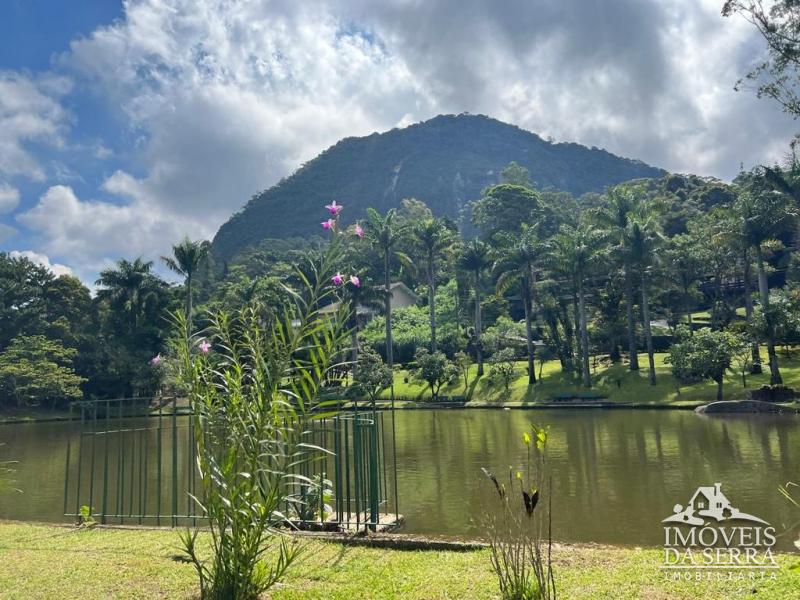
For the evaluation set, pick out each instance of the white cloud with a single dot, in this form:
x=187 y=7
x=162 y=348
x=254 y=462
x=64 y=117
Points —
x=93 y=234
x=41 y=259
x=219 y=99
x=230 y=97
x=29 y=112
x=9 y=198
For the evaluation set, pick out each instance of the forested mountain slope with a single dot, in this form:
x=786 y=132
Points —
x=446 y=162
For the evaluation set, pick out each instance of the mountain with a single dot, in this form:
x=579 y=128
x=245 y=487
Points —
x=445 y=162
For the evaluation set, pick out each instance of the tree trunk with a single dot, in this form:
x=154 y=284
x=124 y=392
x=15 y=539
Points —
x=688 y=309
x=189 y=301
x=576 y=311
x=526 y=302
x=633 y=355
x=388 y=288
x=585 y=375
x=719 y=388
x=755 y=368
x=432 y=303
x=478 y=325
x=648 y=334
x=763 y=290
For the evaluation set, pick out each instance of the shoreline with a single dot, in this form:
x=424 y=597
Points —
x=384 y=405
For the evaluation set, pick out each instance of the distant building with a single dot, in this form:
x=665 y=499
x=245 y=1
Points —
x=402 y=297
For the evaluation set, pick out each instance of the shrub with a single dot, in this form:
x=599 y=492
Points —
x=502 y=367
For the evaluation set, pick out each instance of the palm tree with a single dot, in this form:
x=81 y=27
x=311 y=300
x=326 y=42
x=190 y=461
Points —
x=763 y=216
x=575 y=251
x=644 y=238
x=475 y=259
x=517 y=264
x=615 y=218
x=385 y=236
x=432 y=237
x=128 y=287
x=187 y=257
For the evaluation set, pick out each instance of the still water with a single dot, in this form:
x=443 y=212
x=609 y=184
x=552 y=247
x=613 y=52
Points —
x=616 y=473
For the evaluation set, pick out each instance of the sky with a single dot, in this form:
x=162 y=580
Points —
x=126 y=125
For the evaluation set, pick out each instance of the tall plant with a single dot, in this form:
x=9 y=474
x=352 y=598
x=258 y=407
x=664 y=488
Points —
x=519 y=525
x=254 y=391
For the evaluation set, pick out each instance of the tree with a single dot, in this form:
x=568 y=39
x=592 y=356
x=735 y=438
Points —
x=431 y=238
x=705 y=355
x=463 y=363
x=505 y=207
x=516 y=265
x=644 y=239
x=779 y=25
x=434 y=369
x=684 y=266
x=129 y=287
x=516 y=174
x=34 y=370
x=475 y=259
x=187 y=257
x=503 y=368
x=763 y=216
x=385 y=236
x=615 y=218
x=576 y=251
x=371 y=375
x=358 y=295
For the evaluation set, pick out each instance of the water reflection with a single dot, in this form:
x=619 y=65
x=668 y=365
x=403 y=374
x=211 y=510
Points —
x=616 y=473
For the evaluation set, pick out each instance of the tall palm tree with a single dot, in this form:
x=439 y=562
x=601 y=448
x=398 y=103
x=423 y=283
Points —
x=385 y=235
x=763 y=216
x=187 y=257
x=615 y=217
x=644 y=238
x=576 y=250
x=516 y=264
x=475 y=259
x=432 y=237
x=128 y=286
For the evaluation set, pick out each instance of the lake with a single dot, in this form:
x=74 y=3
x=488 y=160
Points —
x=616 y=473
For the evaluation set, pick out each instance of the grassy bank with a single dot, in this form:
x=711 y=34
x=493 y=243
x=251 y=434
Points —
x=39 y=561
x=614 y=382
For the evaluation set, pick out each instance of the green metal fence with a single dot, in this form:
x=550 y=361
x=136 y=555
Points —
x=133 y=461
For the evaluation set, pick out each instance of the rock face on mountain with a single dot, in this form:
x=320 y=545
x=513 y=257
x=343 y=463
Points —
x=445 y=162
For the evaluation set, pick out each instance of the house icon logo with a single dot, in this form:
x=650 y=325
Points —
x=710 y=537
x=709 y=503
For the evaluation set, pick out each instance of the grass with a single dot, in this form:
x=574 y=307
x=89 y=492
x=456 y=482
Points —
x=44 y=561
x=614 y=382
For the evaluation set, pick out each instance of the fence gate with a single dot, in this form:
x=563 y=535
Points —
x=133 y=461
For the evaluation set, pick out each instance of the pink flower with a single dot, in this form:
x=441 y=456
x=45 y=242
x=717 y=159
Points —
x=355 y=281
x=156 y=360
x=205 y=346
x=326 y=225
x=337 y=279
x=359 y=231
x=334 y=208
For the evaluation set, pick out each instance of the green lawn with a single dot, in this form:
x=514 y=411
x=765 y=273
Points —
x=614 y=382
x=47 y=562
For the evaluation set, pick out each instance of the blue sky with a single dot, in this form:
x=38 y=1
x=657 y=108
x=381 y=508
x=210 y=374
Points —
x=126 y=126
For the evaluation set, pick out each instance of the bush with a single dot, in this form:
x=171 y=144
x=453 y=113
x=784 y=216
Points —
x=502 y=367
